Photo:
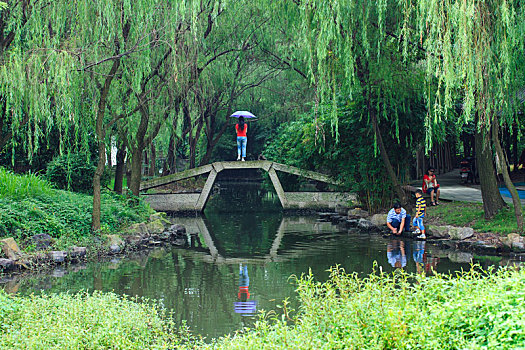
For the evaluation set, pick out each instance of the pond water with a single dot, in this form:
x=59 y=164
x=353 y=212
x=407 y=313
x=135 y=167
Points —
x=238 y=261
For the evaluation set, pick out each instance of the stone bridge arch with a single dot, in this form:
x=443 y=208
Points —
x=289 y=200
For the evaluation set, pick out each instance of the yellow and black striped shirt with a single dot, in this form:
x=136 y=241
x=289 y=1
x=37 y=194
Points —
x=421 y=206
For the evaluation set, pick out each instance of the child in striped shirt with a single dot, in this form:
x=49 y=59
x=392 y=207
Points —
x=421 y=206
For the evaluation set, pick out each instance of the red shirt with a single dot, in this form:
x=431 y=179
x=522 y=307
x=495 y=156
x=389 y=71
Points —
x=243 y=290
x=241 y=133
x=430 y=180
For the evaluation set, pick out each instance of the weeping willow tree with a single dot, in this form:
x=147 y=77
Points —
x=37 y=76
x=475 y=49
x=354 y=50
x=78 y=62
x=470 y=50
x=131 y=72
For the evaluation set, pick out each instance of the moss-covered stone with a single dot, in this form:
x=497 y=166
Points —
x=10 y=248
x=155 y=227
x=115 y=243
x=137 y=229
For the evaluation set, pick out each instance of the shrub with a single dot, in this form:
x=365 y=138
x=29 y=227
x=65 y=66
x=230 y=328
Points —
x=21 y=186
x=473 y=310
x=61 y=214
x=74 y=172
x=83 y=321
x=66 y=214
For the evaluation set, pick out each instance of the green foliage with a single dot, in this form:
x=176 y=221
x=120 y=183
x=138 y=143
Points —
x=61 y=214
x=472 y=214
x=74 y=172
x=17 y=187
x=470 y=310
x=473 y=310
x=83 y=321
x=312 y=144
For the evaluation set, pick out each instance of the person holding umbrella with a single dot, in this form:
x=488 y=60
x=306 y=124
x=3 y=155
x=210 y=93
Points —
x=242 y=128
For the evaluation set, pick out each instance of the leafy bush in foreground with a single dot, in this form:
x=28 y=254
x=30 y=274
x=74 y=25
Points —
x=82 y=321
x=470 y=311
x=474 y=310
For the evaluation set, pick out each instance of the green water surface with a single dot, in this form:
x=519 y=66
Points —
x=242 y=234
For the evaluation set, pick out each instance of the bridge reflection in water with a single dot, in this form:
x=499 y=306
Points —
x=197 y=225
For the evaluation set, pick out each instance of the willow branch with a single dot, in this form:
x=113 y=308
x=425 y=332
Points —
x=282 y=60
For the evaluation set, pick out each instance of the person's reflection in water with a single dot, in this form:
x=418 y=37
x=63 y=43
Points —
x=244 y=283
x=418 y=254
x=424 y=262
x=395 y=252
x=243 y=306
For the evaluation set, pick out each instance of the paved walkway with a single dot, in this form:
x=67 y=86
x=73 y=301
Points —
x=452 y=189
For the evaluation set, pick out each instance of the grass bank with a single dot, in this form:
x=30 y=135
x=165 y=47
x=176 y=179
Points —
x=471 y=215
x=474 y=310
x=30 y=205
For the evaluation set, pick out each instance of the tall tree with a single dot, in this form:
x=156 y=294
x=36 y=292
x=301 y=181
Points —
x=475 y=48
x=352 y=50
x=37 y=76
x=89 y=57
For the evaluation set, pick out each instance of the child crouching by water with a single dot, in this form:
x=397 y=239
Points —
x=421 y=206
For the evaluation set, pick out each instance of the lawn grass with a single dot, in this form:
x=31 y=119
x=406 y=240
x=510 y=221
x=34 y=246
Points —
x=467 y=214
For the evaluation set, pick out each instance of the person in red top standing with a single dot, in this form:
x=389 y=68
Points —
x=242 y=140
x=430 y=186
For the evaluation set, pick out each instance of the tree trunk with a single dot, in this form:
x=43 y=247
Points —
x=515 y=155
x=508 y=182
x=101 y=135
x=95 y=225
x=193 y=141
x=386 y=160
x=492 y=201
x=171 y=158
x=152 y=161
x=108 y=155
x=207 y=156
x=192 y=153
x=136 y=170
x=128 y=171
x=137 y=152
x=119 y=170
x=145 y=158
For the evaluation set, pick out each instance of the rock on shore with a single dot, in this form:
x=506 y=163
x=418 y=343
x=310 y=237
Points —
x=462 y=238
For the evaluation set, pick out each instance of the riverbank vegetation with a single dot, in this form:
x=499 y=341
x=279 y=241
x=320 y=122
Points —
x=30 y=205
x=473 y=309
x=83 y=321
x=465 y=214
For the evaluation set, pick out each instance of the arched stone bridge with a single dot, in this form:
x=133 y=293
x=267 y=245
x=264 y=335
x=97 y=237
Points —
x=197 y=201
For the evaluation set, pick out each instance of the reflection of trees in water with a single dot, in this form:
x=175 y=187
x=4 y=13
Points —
x=241 y=198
